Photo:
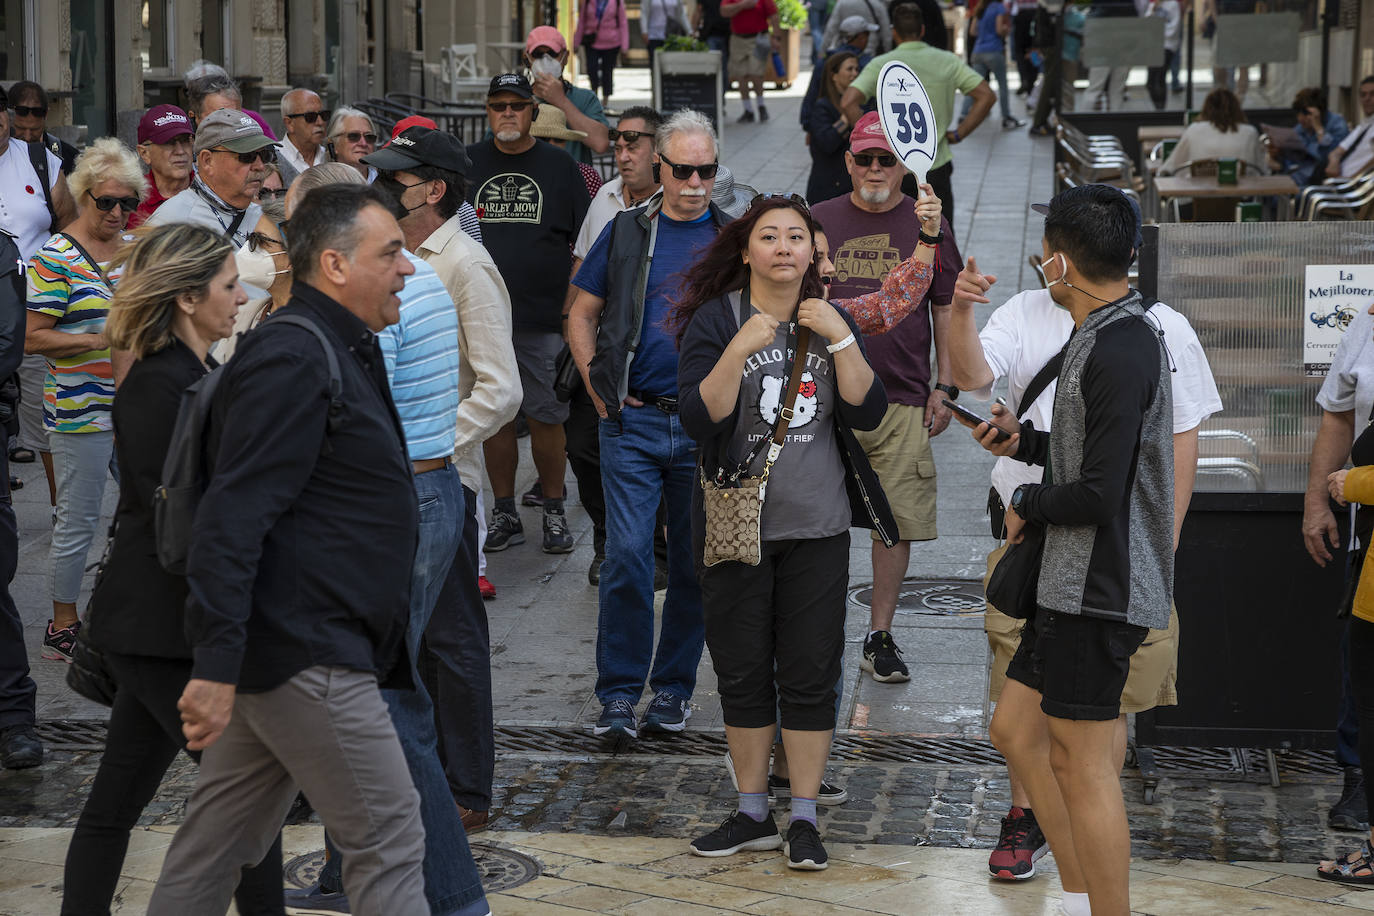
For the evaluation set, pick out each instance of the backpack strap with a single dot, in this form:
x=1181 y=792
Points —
x=38 y=156
x=331 y=360
x=1037 y=386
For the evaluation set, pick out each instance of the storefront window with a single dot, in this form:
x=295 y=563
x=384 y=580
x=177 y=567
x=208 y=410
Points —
x=156 y=35
x=12 y=26
x=92 y=79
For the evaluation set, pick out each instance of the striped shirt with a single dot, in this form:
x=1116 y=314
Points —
x=79 y=391
x=421 y=352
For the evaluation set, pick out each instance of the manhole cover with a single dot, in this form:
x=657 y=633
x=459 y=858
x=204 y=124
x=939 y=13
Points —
x=940 y=597
x=501 y=869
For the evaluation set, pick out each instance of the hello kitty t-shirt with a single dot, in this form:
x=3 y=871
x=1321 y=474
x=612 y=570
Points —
x=806 y=496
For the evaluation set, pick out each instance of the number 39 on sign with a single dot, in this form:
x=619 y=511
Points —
x=907 y=118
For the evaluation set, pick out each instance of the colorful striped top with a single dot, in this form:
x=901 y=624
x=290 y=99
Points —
x=79 y=390
x=421 y=352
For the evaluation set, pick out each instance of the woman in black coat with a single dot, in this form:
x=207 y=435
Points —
x=178 y=295
x=829 y=130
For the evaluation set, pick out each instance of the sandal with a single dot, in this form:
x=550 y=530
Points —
x=1351 y=868
x=22 y=455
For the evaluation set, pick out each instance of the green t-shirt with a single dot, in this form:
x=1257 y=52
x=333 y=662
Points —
x=586 y=102
x=941 y=72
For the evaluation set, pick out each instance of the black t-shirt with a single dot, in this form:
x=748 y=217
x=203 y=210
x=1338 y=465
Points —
x=531 y=206
x=712 y=22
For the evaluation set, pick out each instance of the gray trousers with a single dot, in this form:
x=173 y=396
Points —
x=326 y=731
x=32 y=371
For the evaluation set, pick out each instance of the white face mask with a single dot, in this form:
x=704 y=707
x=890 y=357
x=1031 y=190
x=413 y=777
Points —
x=259 y=268
x=546 y=66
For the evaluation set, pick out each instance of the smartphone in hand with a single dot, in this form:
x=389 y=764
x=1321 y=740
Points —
x=973 y=418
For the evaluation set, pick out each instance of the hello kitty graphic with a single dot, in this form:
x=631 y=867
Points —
x=771 y=392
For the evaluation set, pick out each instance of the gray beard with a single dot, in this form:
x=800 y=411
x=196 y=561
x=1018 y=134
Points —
x=508 y=136
x=875 y=197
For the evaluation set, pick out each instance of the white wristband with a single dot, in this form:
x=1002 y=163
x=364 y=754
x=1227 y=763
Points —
x=837 y=347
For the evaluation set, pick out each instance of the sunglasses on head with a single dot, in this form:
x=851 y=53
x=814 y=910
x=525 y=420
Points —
x=106 y=204
x=631 y=137
x=258 y=239
x=357 y=136
x=271 y=193
x=795 y=200
x=29 y=111
x=684 y=172
x=864 y=160
x=499 y=107
x=267 y=155
x=312 y=116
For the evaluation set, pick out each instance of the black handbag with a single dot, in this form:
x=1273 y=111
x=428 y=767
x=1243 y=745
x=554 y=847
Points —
x=566 y=377
x=89 y=674
x=1016 y=577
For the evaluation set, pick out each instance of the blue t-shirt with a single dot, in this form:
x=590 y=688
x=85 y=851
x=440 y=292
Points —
x=653 y=370
x=988 y=39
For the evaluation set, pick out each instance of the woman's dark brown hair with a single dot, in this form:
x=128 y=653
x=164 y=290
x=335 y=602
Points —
x=720 y=269
x=1222 y=110
x=832 y=66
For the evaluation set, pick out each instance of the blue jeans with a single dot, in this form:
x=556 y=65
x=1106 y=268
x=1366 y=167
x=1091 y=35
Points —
x=721 y=43
x=452 y=884
x=645 y=458
x=989 y=64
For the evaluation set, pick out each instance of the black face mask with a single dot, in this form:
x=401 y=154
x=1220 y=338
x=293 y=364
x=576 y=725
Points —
x=392 y=190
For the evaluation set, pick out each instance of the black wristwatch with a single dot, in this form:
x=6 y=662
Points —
x=930 y=239
x=947 y=389
x=1018 y=496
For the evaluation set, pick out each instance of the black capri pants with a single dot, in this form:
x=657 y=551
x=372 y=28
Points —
x=776 y=633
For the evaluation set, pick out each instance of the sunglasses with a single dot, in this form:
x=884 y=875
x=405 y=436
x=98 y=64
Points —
x=267 y=155
x=357 y=136
x=864 y=160
x=106 y=204
x=312 y=116
x=631 y=137
x=795 y=200
x=542 y=52
x=271 y=193
x=499 y=107
x=684 y=172
x=257 y=239
x=28 y=111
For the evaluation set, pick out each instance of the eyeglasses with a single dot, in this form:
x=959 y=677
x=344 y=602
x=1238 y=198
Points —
x=537 y=53
x=257 y=239
x=631 y=137
x=684 y=172
x=28 y=111
x=106 y=204
x=312 y=116
x=271 y=193
x=356 y=136
x=267 y=155
x=499 y=107
x=864 y=160
x=795 y=200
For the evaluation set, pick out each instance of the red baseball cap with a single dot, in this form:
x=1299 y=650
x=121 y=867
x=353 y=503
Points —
x=545 y=36
x=163 y=124
x=868 y=134
x=412 y=121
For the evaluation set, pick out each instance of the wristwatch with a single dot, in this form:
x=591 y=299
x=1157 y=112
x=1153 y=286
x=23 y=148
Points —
x=947 y=389
x=1018 y=496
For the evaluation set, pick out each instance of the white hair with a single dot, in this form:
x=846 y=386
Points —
x=107 y=159
x=685 y=121
x=336 y=121
x=290 y=97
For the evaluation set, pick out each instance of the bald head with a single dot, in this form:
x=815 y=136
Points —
x=305 y=118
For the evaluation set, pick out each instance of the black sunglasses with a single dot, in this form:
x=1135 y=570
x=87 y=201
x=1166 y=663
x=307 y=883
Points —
x=257 y=239
x=26 y=111
x=271 y=193
x=312 y=116
x=354 y=136
x=499 y=107
x=684 y=172
x=864 y=160
x=631 y=137
x=267 y=154
x=106 y=204
x=542 y=52
x=795 y=200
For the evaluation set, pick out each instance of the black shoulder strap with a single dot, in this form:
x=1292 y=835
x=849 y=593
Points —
x=1037 y=386
x=87 y=255
x=234 y=227
x=331 y=360
x=38 y=155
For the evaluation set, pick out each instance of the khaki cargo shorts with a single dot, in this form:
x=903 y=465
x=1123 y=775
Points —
x=899 y=451
x=1154 y=667
x=743 y=59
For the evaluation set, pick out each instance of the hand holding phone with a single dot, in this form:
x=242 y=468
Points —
x=972 y=420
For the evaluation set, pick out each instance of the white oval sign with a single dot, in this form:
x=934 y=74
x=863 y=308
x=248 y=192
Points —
x=908 y=120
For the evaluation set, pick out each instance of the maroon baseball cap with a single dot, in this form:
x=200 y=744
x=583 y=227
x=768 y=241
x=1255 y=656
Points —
x=868 y=134
x=163 y=124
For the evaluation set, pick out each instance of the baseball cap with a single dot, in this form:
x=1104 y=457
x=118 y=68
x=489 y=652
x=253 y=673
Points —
x=853 y=25
x=868 y=134
x=412 y=121
x=545 y=36
x=510 y=82
x=163 y=124
x=1044 y=210
x=231 y=129
x=421 y=146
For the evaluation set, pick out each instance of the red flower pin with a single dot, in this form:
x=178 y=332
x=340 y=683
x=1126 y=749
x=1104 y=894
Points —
x=29 y=188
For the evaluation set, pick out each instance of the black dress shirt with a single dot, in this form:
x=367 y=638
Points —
x=303 y=543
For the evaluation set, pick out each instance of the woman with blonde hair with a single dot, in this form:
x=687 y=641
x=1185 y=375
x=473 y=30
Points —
x=179 y=294
x=69 y=290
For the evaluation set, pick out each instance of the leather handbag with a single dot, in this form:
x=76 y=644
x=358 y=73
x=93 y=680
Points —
x=89 y=674
x=566 y=377
x=734 y=503
x=1016 y=577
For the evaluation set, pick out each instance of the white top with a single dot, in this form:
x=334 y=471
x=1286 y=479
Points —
x=1025 y=332
x=1350 y=383
x=609 y=201
x=23 y=211
x=1202 y=140
x=293 y=156
x=1173 y=15
x=653 y=19
x=1358 y=148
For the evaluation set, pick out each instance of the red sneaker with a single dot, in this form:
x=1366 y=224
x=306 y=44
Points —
x=486 y=588
x=1020 y=844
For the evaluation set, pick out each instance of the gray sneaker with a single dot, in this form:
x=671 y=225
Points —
x=504 y=531
x=557 y=538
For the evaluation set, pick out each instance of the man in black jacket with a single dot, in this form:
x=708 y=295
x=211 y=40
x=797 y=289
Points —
x=299 y=571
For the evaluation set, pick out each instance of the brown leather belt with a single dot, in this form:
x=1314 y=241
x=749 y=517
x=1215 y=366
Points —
x=425 y=465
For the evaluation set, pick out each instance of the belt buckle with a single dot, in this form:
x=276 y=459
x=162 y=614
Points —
x=667 y=405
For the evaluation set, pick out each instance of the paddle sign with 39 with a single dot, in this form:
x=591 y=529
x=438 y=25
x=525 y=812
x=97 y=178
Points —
x=907 y=118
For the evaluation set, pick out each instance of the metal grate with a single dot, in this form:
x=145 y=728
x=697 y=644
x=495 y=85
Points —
x=501 y=869
x=936 y=597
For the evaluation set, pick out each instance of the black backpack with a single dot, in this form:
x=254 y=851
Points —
x=38 y=157
x=184 y=470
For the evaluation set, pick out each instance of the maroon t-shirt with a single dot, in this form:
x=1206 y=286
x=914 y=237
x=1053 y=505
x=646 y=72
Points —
x=864 y=247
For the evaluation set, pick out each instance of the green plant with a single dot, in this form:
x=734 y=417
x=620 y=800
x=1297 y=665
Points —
x=792 y=14
x=684 y=43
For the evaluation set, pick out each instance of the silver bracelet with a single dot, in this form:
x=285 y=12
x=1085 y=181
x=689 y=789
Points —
x=837 y=347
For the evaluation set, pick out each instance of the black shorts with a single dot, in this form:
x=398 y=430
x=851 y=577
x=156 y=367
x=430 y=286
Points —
x=1077 y=664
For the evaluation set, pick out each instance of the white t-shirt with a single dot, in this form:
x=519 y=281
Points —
x=1358 y=148
x=1202 y=140
x=606 y=203
x=1350 y=383
x=23 y=210
x=1029 y=329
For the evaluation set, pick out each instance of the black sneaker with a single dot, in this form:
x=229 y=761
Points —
x=1019 y=846
x=313 y=899
x=1012 y=123
x=803 y=847
x=666 y=713
x=1350 y=813
x=617 y=717
x=504 y=531
x=738 y=833
x=883 y=659
x=20 y=748
x=557 y=538
x=594 y=571
x=534 y=496
x=781 y=787
x=763 y=112
x=746 y=118
x=59 y=643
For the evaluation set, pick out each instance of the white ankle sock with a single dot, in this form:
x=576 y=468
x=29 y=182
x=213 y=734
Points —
x=748 y=103
x=1076 y=904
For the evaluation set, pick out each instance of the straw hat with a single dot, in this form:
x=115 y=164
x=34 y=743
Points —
x=553 y=125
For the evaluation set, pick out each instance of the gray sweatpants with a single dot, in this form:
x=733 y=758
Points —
x=326 y=731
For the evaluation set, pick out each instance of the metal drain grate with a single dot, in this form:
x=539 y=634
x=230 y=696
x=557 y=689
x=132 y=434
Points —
x=72 y=734
x=938 y=597
x=501 y=869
